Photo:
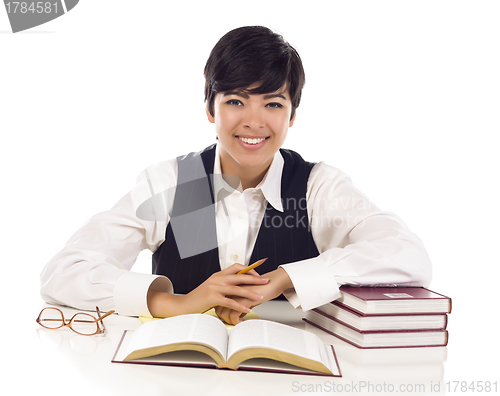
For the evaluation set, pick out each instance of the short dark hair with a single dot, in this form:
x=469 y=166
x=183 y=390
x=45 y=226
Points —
x=250 y=55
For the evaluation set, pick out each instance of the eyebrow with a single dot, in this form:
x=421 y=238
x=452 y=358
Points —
x=246 y=96
x=276 y=95
x=237 y=93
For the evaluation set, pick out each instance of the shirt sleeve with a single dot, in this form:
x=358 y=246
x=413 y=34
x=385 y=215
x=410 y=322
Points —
x=358 y=244
x=94 y=267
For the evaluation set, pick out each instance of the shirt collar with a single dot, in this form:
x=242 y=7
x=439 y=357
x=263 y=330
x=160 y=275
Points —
x=270 y=185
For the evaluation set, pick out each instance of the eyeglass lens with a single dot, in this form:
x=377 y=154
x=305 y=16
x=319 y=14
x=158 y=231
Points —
x=51 y=318
x=84 y=324
x=81 y=323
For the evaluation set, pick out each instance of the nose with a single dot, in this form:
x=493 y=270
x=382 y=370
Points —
x=253 y=118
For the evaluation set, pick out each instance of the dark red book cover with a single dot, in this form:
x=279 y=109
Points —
x=363 y=314
x=407 y=294
x=374 y=331
x=375 y=347
x=391 y=293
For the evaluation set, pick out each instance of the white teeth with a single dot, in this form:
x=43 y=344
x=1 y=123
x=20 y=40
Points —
x=251 y=141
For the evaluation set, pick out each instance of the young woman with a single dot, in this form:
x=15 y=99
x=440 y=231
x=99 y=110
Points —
x=209 y=214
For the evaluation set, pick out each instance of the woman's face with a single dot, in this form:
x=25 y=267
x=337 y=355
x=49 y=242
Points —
x=250 y=128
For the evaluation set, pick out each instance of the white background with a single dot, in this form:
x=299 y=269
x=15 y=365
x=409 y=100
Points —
x=401 y=95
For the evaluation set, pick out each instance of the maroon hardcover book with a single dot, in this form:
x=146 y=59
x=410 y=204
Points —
x=380 y=322
x=377 y=339
x=372 y=329
x=393 y=300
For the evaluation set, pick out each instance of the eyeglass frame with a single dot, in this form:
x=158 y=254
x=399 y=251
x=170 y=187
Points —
x=65 y=323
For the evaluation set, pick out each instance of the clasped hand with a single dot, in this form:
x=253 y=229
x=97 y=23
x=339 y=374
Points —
x=277 y=282
x=232 y=295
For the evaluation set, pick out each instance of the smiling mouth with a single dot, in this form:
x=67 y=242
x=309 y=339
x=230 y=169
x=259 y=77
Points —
x=252 y=140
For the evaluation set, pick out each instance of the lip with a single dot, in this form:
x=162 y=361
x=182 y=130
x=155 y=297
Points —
x=251 y=136
x=248 y=146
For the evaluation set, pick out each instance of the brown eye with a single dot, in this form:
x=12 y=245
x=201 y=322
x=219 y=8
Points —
x=234 y=102
x=274 y=105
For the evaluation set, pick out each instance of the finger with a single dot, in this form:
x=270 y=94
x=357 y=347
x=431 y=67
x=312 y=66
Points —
x=234 y=268
x=215 y=292
x=252 y=272
x=245 y=279
x=242 y=305
x=223 y=314
x=244 y=292
x=231 y=316
x=234 y=317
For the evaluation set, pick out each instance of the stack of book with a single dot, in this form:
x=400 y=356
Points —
x=385 y=317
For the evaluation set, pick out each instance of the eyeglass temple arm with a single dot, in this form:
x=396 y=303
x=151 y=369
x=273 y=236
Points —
x=104 y=316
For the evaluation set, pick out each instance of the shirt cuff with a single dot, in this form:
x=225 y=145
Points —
x=314 y=284
x=131 y=290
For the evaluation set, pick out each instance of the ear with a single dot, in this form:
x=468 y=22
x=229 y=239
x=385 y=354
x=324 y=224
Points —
x=293 y=118
x=210 y=117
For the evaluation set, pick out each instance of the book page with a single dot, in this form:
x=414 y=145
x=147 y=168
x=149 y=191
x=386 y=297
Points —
x=272 y=335
x=177 y=358
x=193 y=328
x=260 y=364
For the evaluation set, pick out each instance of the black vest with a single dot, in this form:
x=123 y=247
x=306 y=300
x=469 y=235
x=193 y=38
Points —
x=284 y=237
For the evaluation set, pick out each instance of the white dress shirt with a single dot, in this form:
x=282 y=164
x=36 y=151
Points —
x=358 y=243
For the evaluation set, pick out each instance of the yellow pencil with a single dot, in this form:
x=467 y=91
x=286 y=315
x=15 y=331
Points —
x=251 y=267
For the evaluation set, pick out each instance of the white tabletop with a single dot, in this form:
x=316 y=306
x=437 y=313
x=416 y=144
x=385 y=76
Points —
x=61 y=358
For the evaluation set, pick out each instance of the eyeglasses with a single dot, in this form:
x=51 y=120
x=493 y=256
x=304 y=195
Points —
x=80 y=323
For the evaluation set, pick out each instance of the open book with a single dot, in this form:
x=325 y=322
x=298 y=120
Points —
x=203 y=341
